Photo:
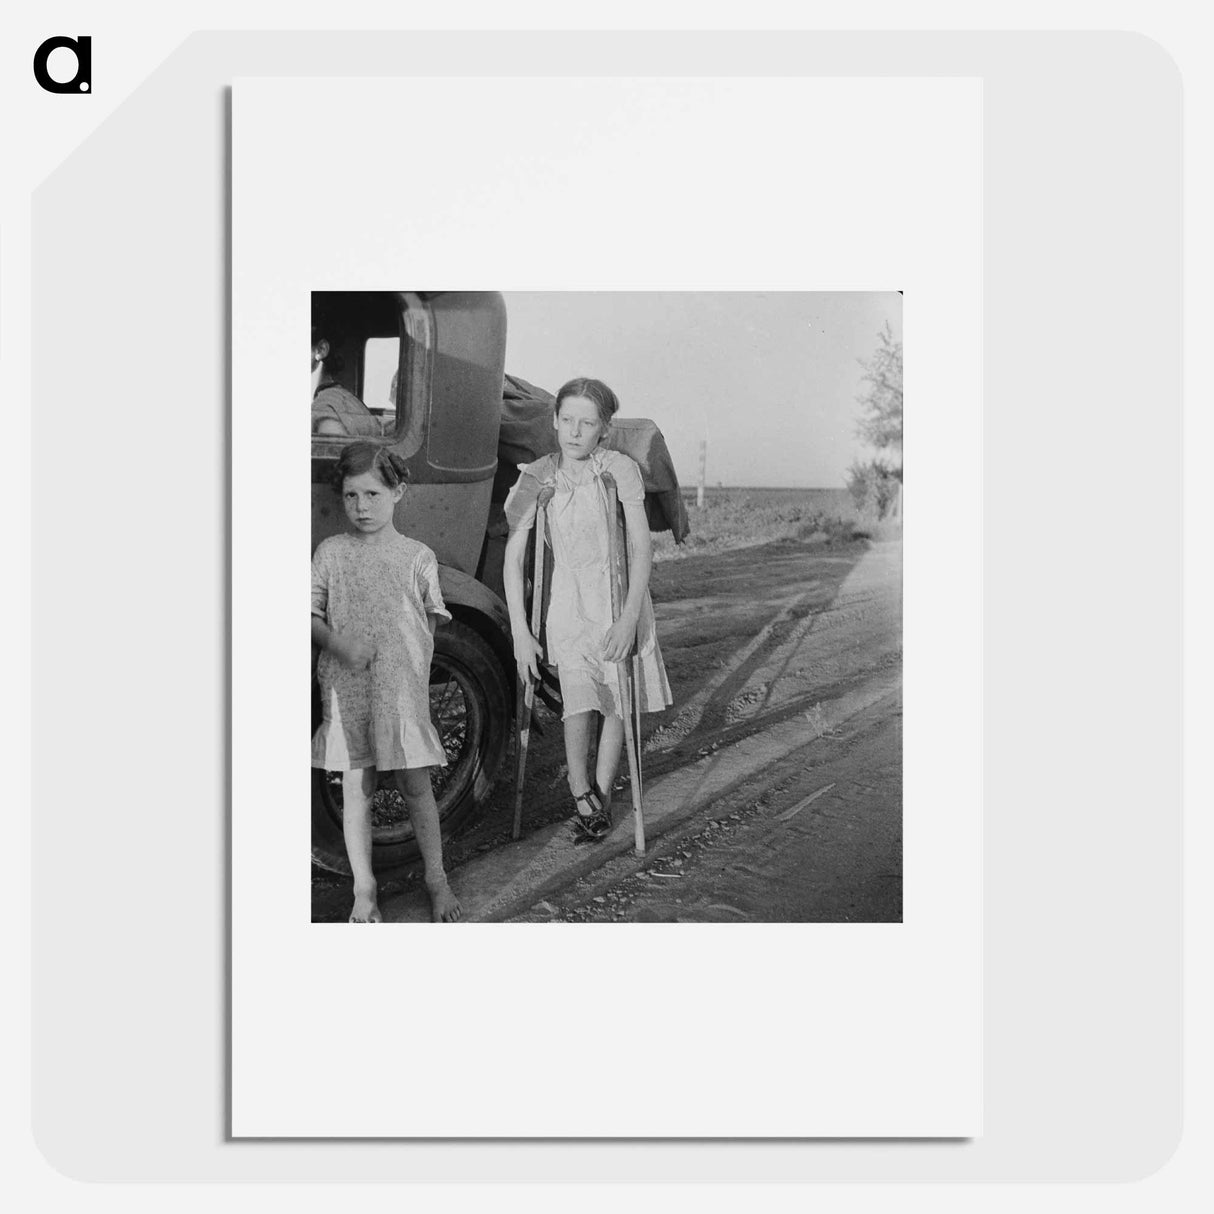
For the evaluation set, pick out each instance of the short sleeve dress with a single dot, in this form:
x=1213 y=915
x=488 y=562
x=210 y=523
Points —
x=579 y=608
x=381 y=592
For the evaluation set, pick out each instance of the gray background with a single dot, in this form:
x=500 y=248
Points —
x=1082 y=622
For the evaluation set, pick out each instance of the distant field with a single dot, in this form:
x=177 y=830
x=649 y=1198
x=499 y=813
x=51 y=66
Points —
x=740 y=518
x=838 y=501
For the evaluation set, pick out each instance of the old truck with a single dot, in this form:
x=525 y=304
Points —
x=431 y=367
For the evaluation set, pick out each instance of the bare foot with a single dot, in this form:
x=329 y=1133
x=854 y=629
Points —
x=366 y=906
x=444 y=905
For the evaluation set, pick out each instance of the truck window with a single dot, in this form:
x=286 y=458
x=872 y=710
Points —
x=381 y=357
x=390 y=372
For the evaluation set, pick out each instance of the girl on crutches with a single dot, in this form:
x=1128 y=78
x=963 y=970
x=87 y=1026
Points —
x=585 y=640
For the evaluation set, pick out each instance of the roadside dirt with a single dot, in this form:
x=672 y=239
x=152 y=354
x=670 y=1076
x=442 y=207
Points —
x=780 y=640
x=816 y=838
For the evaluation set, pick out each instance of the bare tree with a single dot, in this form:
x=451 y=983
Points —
x=881 y=427
x=876 y=486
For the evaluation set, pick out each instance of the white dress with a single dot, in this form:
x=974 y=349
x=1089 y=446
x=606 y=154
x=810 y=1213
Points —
x=382 y=593
x=579 y=609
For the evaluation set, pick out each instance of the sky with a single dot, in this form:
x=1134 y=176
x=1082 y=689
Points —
x=769 y=378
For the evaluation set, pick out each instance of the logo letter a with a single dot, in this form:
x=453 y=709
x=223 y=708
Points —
x=82 y=48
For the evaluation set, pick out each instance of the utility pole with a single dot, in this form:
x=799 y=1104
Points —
x=703 y=468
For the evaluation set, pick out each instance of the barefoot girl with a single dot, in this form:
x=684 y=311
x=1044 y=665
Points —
x=583 y=642
x=375 y=604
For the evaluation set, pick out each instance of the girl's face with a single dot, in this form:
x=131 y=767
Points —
x=369 y=502
x=579 y=427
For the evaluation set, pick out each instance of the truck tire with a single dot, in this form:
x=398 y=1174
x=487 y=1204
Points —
x=470 y=705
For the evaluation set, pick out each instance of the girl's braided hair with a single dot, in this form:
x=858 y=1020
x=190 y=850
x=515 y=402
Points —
x=358 y=458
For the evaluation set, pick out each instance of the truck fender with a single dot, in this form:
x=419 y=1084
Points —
x=473 y=603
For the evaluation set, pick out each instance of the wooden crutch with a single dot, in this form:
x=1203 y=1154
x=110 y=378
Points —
x=526 y=697
x=618 y=562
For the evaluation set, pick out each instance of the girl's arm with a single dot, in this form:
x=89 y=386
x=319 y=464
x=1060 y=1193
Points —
x=350 y=651
x=526 y=648
x=622 y=634
x=321 y=632
x=429 y=586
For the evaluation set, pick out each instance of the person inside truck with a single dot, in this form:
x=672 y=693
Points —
x=335 y=409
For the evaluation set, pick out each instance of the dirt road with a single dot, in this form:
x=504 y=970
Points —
x=774 y=783
x=815 y=838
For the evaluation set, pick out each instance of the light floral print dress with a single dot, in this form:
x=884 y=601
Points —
x=579 y=610
x=382 y=593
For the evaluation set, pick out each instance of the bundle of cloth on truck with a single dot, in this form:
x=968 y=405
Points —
x=527 y=433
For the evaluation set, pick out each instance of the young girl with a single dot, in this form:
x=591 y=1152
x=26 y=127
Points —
x=375 y=603
x=583 y=642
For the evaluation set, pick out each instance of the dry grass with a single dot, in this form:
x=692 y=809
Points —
x=742 y=518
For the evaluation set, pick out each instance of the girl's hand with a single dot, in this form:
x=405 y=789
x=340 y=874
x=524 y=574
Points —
x=527 y=652
x=351 y=651
x=618 y=642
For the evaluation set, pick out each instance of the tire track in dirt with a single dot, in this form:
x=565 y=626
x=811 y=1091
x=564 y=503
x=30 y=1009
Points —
x=724 y=684
x=759 y=674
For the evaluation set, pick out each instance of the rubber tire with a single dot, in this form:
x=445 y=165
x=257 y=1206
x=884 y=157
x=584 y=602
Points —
x=463 y=655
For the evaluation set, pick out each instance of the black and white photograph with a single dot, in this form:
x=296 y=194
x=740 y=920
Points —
x=606 y=606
